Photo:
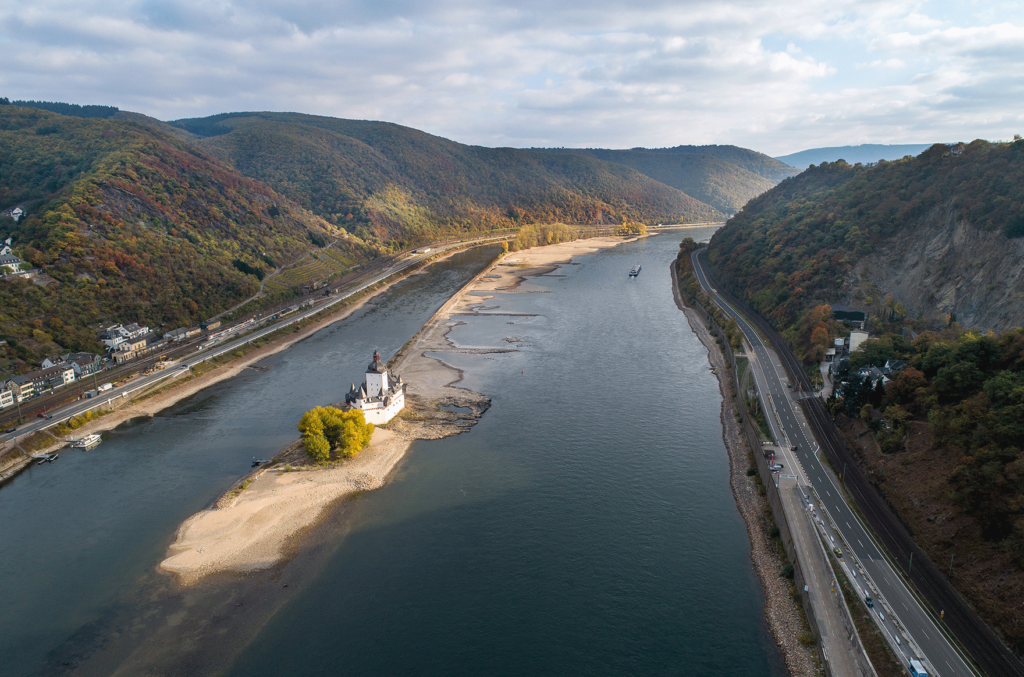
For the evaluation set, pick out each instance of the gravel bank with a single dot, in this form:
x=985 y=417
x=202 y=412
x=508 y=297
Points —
x=781 y=610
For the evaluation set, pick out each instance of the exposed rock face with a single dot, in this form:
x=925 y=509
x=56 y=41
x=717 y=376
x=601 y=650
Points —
x=944 y=265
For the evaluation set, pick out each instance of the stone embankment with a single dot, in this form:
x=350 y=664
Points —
x=781 y=610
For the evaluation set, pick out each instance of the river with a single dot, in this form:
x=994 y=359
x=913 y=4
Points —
x=584 y=526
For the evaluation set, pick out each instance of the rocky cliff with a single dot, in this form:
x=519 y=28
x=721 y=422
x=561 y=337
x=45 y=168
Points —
x=946 y=266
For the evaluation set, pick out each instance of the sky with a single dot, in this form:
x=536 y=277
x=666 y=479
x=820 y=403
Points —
x=778 y=76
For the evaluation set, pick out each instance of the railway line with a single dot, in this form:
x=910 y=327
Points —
x=948 y=607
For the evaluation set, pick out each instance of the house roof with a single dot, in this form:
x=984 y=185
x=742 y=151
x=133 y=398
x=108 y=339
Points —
x=9 y=259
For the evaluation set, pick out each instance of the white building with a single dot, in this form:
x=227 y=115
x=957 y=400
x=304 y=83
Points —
x=16 y=214
x=6 y=397
x=382 y=395
x=857 y=338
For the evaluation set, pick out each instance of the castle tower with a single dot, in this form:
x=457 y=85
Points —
x=376 y=377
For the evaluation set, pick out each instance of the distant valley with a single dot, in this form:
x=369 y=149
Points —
x=125 y=218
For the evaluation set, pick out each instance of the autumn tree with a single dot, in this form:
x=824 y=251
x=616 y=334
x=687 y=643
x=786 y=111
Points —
x=326 y=429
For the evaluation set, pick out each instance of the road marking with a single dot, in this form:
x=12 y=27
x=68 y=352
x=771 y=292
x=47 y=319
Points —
x=861 y=544
x=848 y=526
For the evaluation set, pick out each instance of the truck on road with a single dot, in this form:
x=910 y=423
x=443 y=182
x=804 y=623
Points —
x=917 y=669
x=105 y=387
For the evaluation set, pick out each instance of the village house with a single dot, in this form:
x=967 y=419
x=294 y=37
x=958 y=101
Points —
x=9 y=263
x=6 y=397
x=129 y=349
x=17 y=213
x=22 y=387
x=115 y=335
x=83 y=363
x=52 y=377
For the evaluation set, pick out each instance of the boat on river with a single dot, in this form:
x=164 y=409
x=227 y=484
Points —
x=635 y=271
x=87 y=442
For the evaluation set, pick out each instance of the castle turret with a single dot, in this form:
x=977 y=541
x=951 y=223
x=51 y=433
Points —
x=376 y=377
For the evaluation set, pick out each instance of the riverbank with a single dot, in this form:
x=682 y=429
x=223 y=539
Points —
x=781 y=611
x=169 y=393
x=252 y=526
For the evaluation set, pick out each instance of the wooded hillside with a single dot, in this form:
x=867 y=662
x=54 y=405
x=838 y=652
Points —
x=386 y=182
x=128 y=224
x=898 y=240
x=725 y=177
x=799 y=245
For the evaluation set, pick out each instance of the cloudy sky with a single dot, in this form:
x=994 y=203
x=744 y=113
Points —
x=777 y=76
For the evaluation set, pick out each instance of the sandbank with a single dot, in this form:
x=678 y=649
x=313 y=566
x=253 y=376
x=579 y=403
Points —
x=250 y=528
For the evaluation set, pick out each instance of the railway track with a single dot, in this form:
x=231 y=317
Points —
x=989 y=653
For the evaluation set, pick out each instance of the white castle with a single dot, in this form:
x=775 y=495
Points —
x=382 y=395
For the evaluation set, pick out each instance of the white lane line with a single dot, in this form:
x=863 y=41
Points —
x=861 y=544
x=848 y=526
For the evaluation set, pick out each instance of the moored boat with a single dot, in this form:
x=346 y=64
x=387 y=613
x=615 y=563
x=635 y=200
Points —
x=87 y=442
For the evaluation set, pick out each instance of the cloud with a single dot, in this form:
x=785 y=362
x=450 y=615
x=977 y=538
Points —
x=774 y=76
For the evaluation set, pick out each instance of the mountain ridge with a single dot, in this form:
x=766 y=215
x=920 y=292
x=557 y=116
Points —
x=864 y=153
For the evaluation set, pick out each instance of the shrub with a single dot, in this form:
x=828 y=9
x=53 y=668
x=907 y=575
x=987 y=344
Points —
x=787 y=571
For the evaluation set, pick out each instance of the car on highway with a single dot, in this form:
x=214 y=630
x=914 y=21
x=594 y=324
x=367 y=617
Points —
x=837 y=552
x=10 y=430
x=793 y=448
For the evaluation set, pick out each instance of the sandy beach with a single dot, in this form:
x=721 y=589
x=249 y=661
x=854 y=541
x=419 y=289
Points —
x=250 y=529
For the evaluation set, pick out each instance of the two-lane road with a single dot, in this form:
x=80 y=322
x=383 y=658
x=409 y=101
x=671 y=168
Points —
x=791 y=428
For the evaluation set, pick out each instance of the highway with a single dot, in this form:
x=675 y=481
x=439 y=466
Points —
x=175 y=368
x=904 y=616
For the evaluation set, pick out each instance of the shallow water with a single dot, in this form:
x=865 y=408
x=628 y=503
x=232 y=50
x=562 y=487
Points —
x=81 y=537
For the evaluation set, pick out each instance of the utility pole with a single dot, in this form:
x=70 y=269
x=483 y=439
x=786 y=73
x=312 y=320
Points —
x=951 y=566
x=911 y=569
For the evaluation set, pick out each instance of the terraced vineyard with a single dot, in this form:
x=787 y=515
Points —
x=322 y=265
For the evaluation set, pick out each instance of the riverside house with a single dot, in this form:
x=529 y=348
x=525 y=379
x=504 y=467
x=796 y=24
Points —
x=129 y=349
x=52 y=377
x=83 y=363
x=21 y=386
x=6 y=397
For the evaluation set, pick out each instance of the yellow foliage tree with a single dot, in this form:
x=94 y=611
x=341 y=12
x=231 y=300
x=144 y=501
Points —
x=631 y=228
x=327 y=428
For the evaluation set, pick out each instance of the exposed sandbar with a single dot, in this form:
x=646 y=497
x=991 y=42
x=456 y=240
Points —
x=250 y=530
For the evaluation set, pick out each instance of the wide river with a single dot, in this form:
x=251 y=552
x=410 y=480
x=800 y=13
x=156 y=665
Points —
x=584 y=526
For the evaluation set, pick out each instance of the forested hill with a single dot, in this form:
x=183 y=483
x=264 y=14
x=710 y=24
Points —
x=384 y=181
x=725 y=177
x=941 y=233
x=932 y=249
x=128 y=224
